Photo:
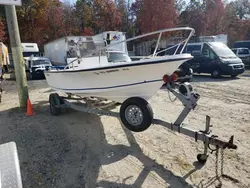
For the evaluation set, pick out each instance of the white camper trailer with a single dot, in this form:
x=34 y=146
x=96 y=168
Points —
x=30 y=49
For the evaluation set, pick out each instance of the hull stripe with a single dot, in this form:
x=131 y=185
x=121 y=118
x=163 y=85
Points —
x=109 y=87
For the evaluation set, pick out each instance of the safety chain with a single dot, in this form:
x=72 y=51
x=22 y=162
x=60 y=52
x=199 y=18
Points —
x=218 y=177
x=172 y=100
x=217 y=167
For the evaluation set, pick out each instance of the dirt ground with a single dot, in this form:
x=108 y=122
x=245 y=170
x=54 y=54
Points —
x=83 y=150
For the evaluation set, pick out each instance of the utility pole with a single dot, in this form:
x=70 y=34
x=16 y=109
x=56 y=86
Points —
x=17 y=54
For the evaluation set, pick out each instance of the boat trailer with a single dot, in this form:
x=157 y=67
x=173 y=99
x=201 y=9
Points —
x=184 y=92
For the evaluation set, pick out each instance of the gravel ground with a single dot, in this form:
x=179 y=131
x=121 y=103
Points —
x=83 y=150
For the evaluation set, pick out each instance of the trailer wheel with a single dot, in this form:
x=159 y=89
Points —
x=55 y=102
x=136 y=114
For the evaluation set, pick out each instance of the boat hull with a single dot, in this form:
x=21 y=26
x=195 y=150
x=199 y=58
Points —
x=116 y=83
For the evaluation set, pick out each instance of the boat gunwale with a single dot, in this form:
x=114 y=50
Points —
x=137 y=63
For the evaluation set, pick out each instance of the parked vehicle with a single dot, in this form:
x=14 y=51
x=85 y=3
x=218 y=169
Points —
x=184 y=72
x=35 y=67
x=242 y=44
x=243 y=54
x=214 y=58
x=35 y=64
x=30 y=49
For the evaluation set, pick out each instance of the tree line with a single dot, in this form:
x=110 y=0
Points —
x=41 y=21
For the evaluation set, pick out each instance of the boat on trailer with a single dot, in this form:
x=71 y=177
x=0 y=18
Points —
x=108 y=75
x=112 y=75
x=105 y=73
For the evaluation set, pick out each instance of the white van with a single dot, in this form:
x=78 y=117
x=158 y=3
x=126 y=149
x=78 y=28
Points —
x=244 y=54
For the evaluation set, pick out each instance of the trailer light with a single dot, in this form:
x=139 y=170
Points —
x=166 y=79
x=174 y=77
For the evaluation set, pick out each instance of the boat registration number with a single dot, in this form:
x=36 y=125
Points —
x=110 y=71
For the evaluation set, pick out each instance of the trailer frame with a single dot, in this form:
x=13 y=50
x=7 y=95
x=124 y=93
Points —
x=183 y=92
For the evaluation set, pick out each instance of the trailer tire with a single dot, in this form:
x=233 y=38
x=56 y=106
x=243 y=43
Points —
x=55 y=101
x=136 y=114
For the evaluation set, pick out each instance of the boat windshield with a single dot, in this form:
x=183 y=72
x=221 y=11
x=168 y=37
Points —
x=222 y=50
x=118 y=57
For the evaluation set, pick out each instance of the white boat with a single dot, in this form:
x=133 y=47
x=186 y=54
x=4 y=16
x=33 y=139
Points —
x=112 y=75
